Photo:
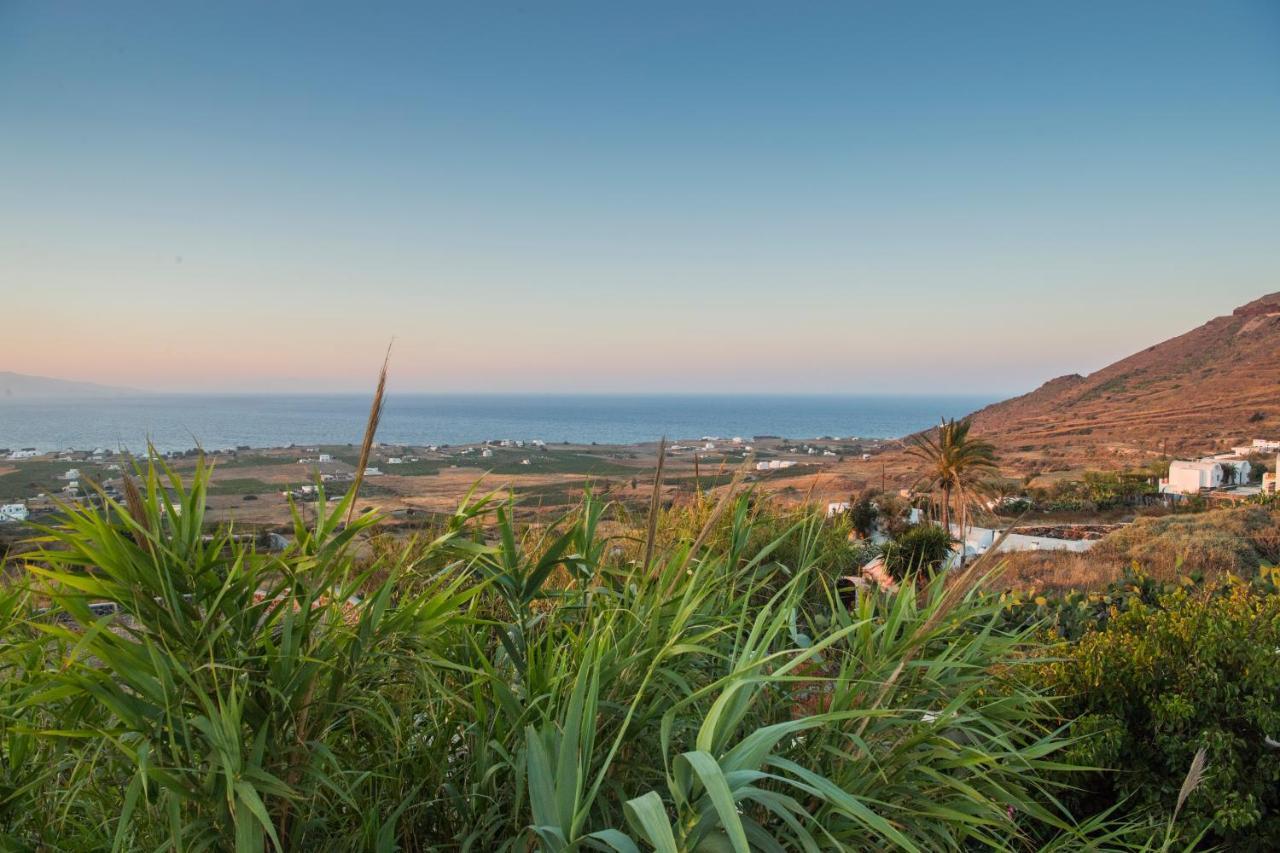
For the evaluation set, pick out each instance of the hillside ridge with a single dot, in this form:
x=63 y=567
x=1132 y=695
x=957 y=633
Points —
x=1203 y=390
x=22 y=386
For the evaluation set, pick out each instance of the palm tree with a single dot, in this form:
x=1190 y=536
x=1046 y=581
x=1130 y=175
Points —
x=956 y=464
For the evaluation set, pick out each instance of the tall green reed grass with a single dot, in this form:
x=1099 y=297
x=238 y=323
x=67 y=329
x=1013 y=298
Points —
x=697 y=683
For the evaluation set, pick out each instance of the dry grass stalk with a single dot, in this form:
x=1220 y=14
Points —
x=1195 y=775
x=366 y=447
x=370 y=430
x=655 y=504
x=137 y=508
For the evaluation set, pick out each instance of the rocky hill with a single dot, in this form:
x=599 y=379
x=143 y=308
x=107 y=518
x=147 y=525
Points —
x=1207 y=389
x=21 y=386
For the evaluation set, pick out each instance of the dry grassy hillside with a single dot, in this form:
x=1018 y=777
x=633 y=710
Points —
x=1236 y=540
x=1208 y=388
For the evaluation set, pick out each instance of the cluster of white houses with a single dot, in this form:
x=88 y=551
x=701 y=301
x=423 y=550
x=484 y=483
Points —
x=1222 y=471
x=13 y=512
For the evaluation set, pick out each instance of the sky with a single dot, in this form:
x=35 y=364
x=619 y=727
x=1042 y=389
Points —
x=617 y=197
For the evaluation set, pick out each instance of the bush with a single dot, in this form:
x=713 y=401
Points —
x=1195 y=669
x=863 y=514
x=924 y=547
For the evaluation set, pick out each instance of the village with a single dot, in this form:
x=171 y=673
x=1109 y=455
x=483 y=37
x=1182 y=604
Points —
x=1015 y=520
x=254 y=486
x=409 y=484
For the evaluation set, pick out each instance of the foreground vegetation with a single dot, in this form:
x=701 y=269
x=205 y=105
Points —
x=697 y=679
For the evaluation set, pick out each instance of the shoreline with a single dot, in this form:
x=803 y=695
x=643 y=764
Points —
x=266 y=422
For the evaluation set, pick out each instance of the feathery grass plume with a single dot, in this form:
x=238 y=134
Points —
x=137 y=509
x=1195 y=775
x=370 y=430
x=808 y=494
x=655 y=504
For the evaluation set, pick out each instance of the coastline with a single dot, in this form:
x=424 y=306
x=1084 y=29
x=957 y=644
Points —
x=233 y=421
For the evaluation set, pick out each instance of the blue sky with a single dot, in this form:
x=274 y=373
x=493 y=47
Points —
x=614 y=197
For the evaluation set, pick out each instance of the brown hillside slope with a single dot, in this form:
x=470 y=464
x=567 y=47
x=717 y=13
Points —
x=1206 y=389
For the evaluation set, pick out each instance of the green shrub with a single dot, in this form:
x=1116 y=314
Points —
x=863 y=514
x=1197 y=669
x=1072 y=615
x=233 y=695
x=923 y=547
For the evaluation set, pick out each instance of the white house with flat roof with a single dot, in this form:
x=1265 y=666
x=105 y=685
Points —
x=13 y=512
x=1189 y=478
x=1259 y=445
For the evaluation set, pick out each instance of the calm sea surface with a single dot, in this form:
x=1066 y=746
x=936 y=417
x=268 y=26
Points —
x=180 y=421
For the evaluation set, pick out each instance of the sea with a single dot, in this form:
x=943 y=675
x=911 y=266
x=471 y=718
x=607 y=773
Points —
x=220 y=421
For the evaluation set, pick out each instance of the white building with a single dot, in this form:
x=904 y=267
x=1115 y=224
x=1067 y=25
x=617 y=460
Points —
x=1259 y=445
x=72 y=474
x=395 y=460
x=1188 y=478
x=979 y=540
x=324 y=457
x=372 y=472
x=24 y=453
x=13 y=512
x=486 y=452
